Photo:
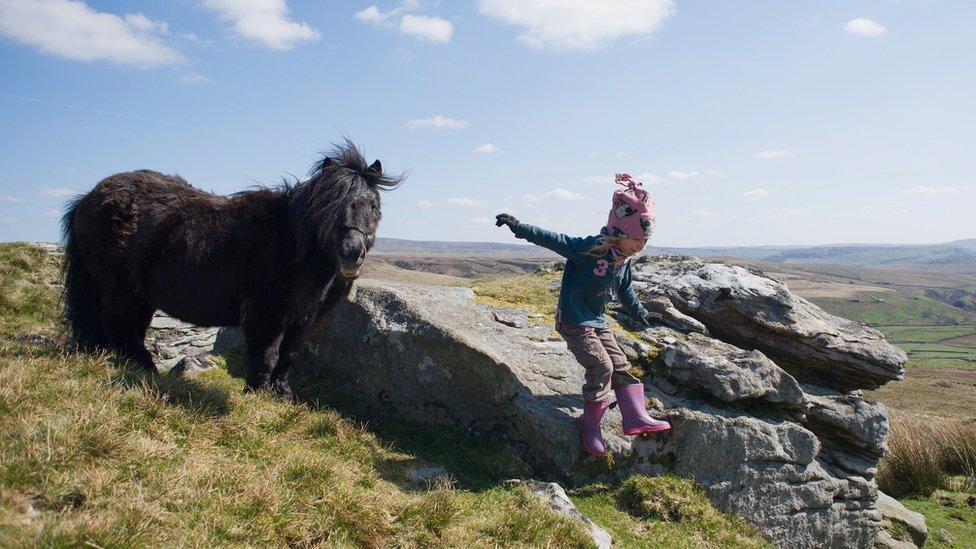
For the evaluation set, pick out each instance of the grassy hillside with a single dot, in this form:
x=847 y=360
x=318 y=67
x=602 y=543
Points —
x=894 y=308
x=96 y=455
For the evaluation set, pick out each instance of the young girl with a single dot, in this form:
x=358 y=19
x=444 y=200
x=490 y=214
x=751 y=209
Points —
x=597 y=267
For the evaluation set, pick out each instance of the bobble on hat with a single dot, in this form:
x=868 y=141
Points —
x=631 y=211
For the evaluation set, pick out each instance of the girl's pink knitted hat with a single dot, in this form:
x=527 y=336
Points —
x=632 y=210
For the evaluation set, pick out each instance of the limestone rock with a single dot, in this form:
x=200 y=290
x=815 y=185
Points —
x=753 y=311
x=428 y=475
x=554 y=497
x=513 y=318
x=192 y=366
x=665 y=313
x=171 y=341
x=433 y=355
x=894 y=512
x=725 y=371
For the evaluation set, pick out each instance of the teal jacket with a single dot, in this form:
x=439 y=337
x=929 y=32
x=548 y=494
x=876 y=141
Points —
x=589 y=282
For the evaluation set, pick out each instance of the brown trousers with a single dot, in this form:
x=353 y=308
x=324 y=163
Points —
x=596 y=349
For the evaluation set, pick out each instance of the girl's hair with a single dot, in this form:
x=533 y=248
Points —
x=603 y=245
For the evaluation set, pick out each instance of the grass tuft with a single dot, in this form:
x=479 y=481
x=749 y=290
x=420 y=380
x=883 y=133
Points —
x=924 y=455
x=527 y=292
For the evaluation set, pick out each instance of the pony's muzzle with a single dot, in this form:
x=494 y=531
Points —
x=349 y=266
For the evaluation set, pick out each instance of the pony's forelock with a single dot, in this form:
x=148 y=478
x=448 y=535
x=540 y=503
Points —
x=316 y=203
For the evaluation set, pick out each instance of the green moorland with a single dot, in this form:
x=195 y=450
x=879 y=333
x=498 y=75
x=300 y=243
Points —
x=931 y=461
x=97 y=455
x=933 y=333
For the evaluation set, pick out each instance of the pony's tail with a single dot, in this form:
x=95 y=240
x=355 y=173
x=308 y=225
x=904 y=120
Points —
x=81 y=312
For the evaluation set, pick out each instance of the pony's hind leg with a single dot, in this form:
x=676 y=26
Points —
x=127 y=319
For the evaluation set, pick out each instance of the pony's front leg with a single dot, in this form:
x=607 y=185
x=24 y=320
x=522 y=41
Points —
x=290 y=343
x=262 y=356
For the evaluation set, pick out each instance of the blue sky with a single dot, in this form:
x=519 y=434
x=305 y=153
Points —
x=761 y=122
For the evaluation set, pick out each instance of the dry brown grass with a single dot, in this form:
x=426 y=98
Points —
x=94 y=455
x=925 y=455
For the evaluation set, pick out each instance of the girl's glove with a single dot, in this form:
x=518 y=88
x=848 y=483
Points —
x=506 y=219
x=649 y=319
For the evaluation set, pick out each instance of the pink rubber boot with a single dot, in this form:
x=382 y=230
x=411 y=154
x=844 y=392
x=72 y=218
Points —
x=589 y=426
x=633 y=410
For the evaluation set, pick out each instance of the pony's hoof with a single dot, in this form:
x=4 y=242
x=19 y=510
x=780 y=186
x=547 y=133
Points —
x=283 y=389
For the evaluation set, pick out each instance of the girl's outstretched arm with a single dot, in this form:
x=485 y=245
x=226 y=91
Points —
x=628 y=298
x=566 y=246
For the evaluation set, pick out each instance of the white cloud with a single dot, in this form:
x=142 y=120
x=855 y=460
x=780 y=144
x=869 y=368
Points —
x=463 y=202
x=864 y=27
x=487 y=148
x=644 y=177
x=58 y=192
x=789 y=214
x=480 y=221
x=578 y=25
x=933 y=191
x=371 y=14
x=404 y=54
x=756 y=195
x=145 y=24
x=52 y=214
x=374 y=16
x=433 y=29
x=677 y=175
x=647 y=177
x=73 y=30
x=423 y=27
x=621 y=154
x=773 y=153
x=11 y=199
x=438 y=121
x=264 y=21
x=193 y=78
x=553 y=194
x=704 y=213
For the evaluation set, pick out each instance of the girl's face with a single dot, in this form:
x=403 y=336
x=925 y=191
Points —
x=631 y=246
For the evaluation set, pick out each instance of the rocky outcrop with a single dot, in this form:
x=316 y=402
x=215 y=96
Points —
x=796 y=460
x=760 y=387
x=753 y=311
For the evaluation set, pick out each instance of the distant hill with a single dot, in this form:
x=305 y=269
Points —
x=407 y=247
x=957 y=257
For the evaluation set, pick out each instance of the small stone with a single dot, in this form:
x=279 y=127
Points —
x=508 y=318
x=192 y=366
x=429 y=475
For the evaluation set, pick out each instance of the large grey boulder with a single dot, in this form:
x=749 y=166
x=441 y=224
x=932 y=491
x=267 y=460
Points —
x=743 y=427
x=751 y=310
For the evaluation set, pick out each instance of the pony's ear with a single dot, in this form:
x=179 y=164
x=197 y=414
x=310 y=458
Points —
x=376 y=167
x=327 y=162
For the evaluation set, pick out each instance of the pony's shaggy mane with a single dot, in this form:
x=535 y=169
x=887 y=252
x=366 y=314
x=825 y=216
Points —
x=316 y=203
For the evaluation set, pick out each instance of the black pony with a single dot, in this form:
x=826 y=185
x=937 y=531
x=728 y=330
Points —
x=272 y=261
